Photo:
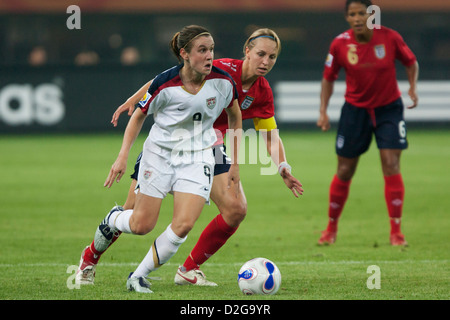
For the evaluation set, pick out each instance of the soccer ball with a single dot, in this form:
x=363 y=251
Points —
x=259 y=276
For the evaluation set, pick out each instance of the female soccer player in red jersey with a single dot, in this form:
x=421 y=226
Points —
x=373 y=105
x=256 y=101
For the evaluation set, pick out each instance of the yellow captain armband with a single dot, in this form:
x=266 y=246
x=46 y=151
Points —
x=265 y=124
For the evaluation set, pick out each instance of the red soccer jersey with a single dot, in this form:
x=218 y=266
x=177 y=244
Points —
x=370 y=68
x=255 y=103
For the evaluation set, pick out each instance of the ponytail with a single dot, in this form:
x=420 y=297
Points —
x=174 y=45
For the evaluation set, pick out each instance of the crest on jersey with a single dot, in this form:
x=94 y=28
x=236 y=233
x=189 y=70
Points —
x=380 y=51
x=211 y=102
x=247 y=102
x=147 y=174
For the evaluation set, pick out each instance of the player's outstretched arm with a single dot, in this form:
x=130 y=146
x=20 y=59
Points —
x=130 y=103
x=276 y=150
x=131 y=132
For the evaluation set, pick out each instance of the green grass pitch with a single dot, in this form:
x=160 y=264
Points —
x=52 y=199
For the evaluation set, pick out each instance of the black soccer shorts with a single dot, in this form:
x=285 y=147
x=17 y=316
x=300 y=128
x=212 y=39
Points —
x=357 y=125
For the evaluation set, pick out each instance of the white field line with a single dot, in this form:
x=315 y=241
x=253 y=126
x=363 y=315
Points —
x=236 y=264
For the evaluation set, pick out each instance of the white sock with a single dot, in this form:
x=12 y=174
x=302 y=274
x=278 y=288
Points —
x=121 y=220
x=164 y=248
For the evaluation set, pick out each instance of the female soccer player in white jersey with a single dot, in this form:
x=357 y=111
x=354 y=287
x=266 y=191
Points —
x=177 y=155
x=261 y=50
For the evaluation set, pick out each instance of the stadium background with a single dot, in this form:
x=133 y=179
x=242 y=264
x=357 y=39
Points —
x=57 y=80
x=51 y=186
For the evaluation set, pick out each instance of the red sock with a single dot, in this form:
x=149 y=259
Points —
x=216 y=233
x=339 y=191
x=394 y=192
x=92 y=256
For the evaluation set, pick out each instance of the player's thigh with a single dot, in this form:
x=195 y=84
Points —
x=222 y=194
x=187 y=209
x=233 y=207
x=390 y=161
x=346 y=168
x=145 y=213
x=390 y=131
x=354 y=133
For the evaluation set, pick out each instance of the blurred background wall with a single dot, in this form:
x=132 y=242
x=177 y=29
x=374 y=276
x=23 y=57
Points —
x=56 y=79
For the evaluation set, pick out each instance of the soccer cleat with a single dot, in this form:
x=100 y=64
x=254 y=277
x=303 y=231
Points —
x=195 y=277
x=398 y=239
x=86 y=271
x=104 y=235
x=140 y=284
x=327 y=238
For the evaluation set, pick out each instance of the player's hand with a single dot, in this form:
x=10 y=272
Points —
x=323 y=122
x=415 y=99
x=127 y=106
x=117 y=171
x=291 y=182
x=234 y=179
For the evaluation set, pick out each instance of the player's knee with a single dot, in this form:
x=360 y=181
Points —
x=182 y=228
x=346 y=171
x=235 y=211
x=240 y=210
x=141 y=227
x=391 y=167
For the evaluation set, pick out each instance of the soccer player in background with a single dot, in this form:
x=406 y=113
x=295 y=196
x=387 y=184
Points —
x=373 y=105
x=185 y=101
x=256 y=100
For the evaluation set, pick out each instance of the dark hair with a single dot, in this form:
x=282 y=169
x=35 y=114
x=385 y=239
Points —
x=183 y=39
x=367 y=3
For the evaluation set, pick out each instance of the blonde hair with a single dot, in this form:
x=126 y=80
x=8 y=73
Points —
x=262 y=33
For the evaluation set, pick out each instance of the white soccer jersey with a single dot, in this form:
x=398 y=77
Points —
x=183 y=122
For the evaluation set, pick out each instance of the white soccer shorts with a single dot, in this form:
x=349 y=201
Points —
x=162 y=172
